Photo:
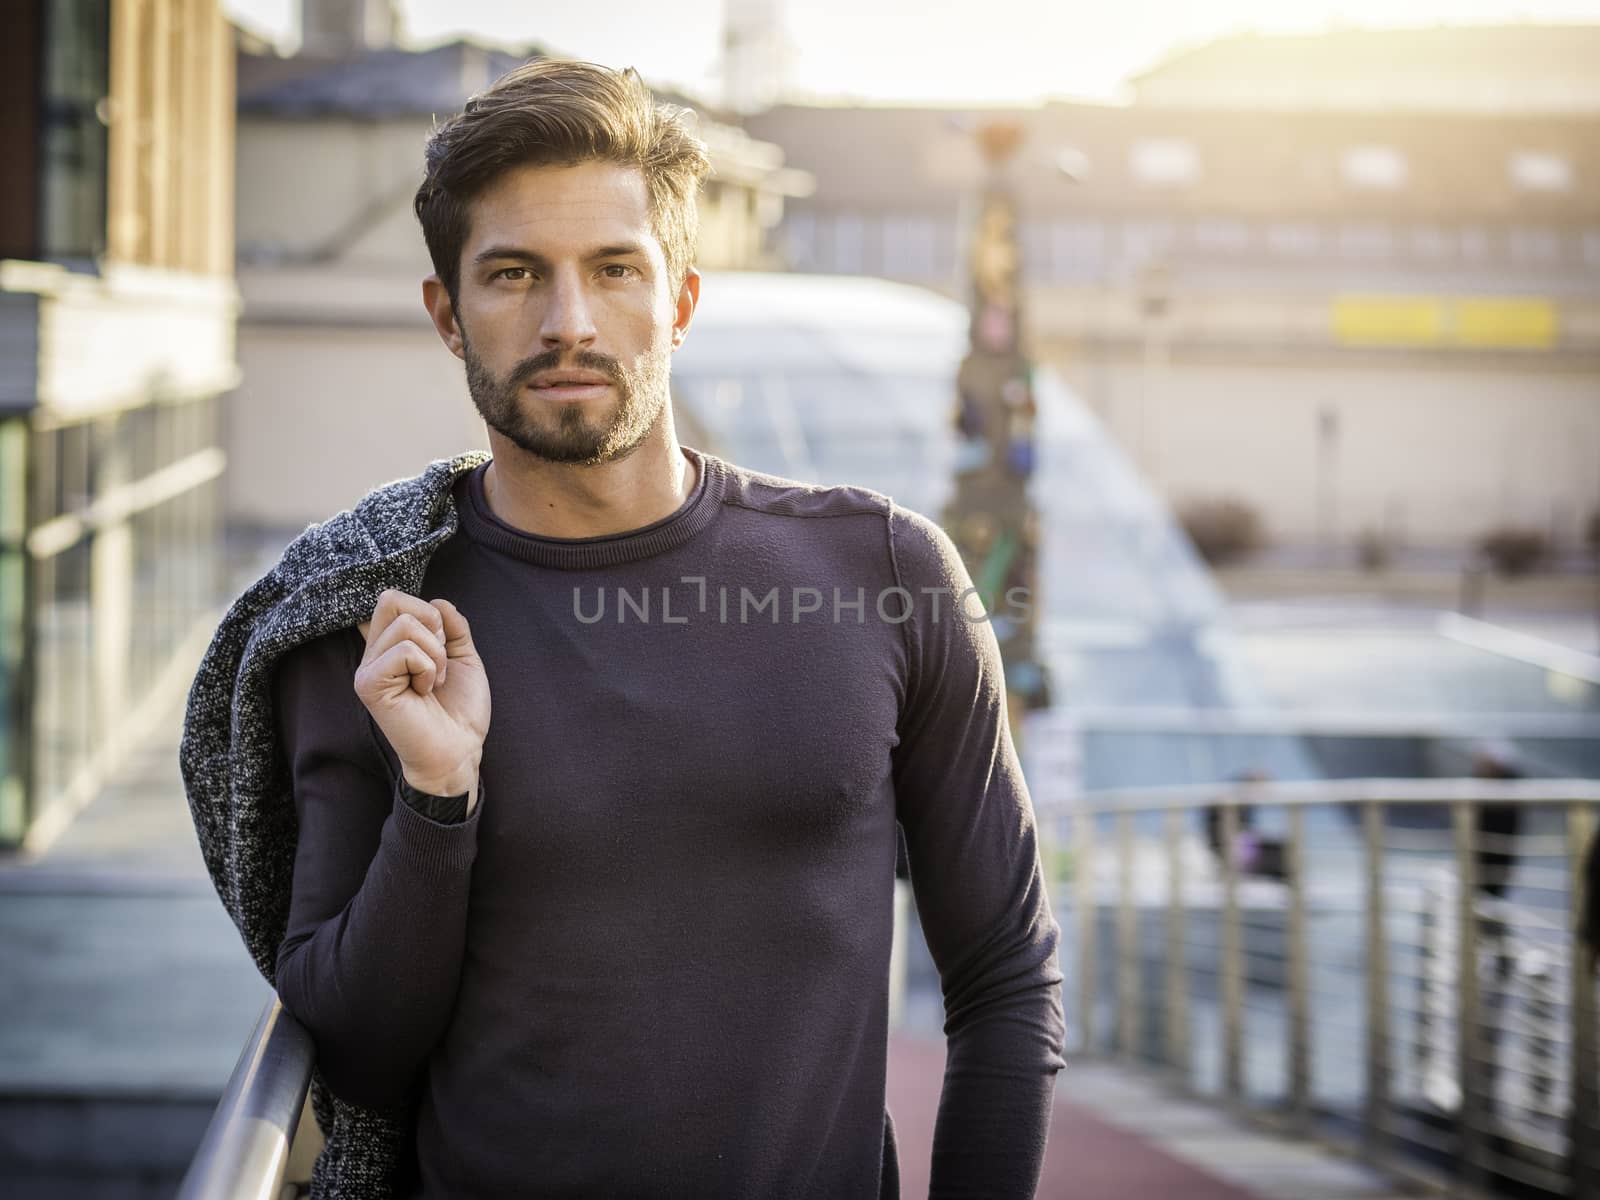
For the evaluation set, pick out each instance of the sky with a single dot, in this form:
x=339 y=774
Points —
x=922 y=51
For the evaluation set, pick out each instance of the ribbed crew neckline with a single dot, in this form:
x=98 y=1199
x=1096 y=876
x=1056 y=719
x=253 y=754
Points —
x=693 y=515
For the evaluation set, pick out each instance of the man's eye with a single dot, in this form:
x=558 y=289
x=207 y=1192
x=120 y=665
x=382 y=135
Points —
x=618 y=270
x=515 y=274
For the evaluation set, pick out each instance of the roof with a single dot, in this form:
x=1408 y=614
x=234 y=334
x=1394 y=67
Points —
x=1498 y=66
x=390 y=82
x=380 y=83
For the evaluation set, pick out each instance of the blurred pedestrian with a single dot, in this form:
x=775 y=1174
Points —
x=1590 y=927
x=1497 y=824
x=1252 y=852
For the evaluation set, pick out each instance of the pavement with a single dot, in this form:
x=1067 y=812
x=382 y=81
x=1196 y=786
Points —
x=1118 y=1134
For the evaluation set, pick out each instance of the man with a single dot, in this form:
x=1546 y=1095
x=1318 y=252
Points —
x=595 y=810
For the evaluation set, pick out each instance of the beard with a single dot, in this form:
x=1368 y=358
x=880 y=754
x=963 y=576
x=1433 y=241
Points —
x=569 y=434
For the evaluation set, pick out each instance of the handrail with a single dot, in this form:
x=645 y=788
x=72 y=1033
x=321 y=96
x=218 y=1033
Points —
x=1472 y=1004
x=1293 y=793
x=1318 y=723
x=246 y=1147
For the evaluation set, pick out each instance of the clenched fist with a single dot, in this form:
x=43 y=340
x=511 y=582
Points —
x=424 y=684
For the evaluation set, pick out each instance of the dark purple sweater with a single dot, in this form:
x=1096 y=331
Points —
x=654 y=961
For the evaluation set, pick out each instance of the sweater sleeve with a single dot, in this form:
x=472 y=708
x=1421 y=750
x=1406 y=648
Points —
x=976 y=875
x=377 y=920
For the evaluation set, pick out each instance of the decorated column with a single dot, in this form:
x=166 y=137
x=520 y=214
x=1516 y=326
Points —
x=989 y=516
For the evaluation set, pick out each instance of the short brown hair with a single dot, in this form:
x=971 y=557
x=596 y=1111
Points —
x=549 y=112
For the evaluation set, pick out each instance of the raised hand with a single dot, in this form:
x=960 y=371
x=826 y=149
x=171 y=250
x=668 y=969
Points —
x=425 y=686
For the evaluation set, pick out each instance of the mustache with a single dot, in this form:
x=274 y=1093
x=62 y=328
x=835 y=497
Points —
x=584 y=360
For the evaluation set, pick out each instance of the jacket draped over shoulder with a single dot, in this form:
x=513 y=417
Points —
x=235 y=774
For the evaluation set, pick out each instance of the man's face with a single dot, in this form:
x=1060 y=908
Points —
x=565 y=315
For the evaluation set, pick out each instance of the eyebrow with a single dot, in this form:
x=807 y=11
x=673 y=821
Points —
x=534 y=259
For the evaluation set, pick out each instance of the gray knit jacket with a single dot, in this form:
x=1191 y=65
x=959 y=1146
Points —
x=237 y=777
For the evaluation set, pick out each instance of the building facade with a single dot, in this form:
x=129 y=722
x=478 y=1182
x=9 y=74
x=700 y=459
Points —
x=117 y=311
x=1364 y=324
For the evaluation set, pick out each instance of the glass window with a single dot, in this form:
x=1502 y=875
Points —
x=1432 y=241
x=1534 y=245
x=1221 y=235
x=1381 y=167
x=1294 y=237
x=1164 y=162
x=72 y=134
x=849 y=244
x=13 y=628
x=1540 y=171
x=1143 y=240
x=800 y=241
x=1076 y=247
x=908 y=247
x=1365 y=241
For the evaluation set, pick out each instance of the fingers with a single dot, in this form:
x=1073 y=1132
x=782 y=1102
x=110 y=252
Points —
x=400 y=617
x=402 y=666
x=407 y=628
x=392 y=603
x=457 y=634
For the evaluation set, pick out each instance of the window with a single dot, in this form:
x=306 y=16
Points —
x=1432 y=241
x=1215 y=235
x=1294 y=238
x=1073 y=163
x=908 y=247
x=1076 y=248
x=1534 y=245
x=1164 y=162
x=72 y=136
x=1538 y=171
x=1035 y=247
x=1365 y=241
x=13 y=628
x=849 y=244
x=1142 y=240
x=800 y=241
x=1374 y=167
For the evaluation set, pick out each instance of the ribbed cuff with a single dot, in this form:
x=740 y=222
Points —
x=433 y=845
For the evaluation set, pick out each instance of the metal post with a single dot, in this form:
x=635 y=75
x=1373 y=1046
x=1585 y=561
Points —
x=1472 y=1120
x=1177 y=989
x=1376 y=1121
x=1087 y=926
x=1299 y=1048
x=1232 y=961
x=1128 y=1013
x=1584 y=1120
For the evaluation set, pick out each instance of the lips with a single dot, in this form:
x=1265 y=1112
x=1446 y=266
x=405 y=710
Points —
x=568 y=379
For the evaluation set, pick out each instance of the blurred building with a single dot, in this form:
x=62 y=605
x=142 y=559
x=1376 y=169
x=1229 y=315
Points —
x=1461 y=68
x=1361 y=323
x=117 y=309
x=334 y=340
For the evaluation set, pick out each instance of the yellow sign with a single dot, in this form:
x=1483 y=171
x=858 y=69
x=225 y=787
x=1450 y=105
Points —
x=1480 y=323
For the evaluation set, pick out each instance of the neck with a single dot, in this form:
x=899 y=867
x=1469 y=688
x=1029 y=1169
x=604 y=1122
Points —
x=567 y=501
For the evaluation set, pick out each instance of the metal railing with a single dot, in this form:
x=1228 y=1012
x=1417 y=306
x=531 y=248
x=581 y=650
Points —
x=1392 y=966
x=246 y=1147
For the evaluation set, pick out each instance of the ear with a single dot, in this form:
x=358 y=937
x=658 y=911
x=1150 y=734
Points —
x=688 y=298
x=437 y=301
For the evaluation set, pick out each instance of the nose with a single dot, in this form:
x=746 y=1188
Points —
x=568 y=322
